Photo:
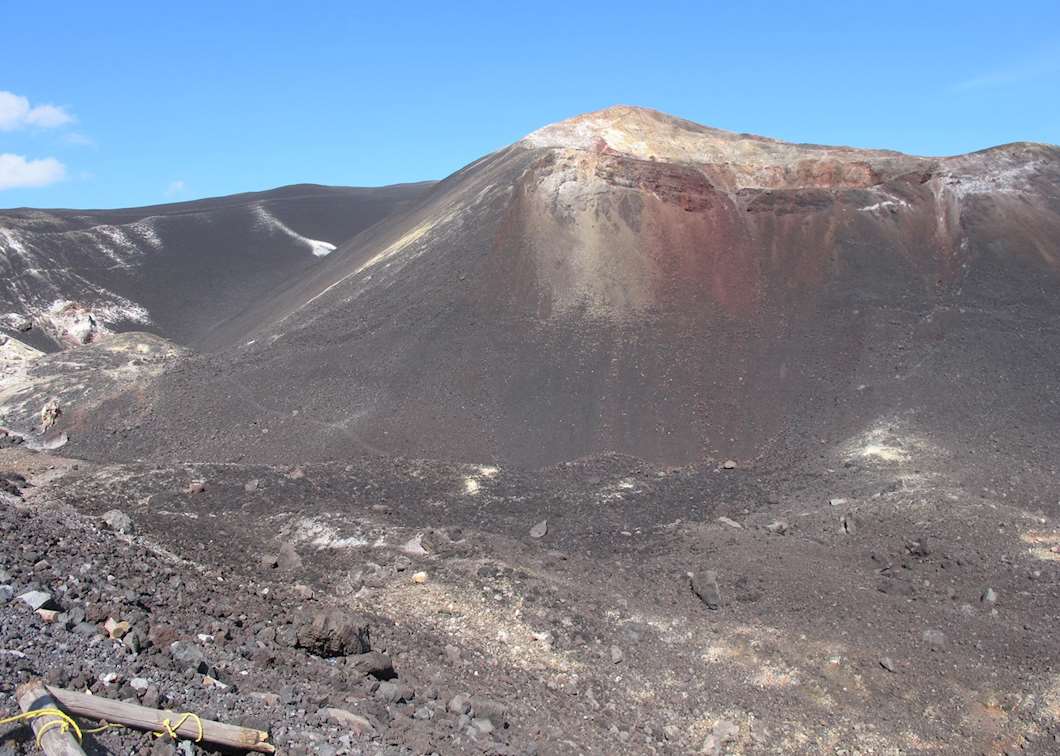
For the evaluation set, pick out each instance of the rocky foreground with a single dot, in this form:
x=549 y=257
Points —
x=89 y=605
x=866 y=603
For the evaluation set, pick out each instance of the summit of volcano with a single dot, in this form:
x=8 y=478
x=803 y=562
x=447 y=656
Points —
x=626 y=281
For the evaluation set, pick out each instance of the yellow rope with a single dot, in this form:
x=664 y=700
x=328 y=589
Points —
x=171 y=729
x=62 y=720
x=65 y=723
x=104 y=726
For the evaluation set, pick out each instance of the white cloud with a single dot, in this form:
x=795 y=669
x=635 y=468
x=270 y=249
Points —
x=17 y=113
x=175 y=187
x=79 y=139
x=48 y=116
x=17 y=172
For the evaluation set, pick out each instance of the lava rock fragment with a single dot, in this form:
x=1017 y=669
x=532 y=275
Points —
x=334 y=632
x=705 y=585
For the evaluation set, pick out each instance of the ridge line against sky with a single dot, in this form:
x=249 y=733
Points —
x=104 y=106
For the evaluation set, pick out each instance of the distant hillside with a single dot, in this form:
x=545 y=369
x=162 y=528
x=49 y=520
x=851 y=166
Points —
x=177 y=270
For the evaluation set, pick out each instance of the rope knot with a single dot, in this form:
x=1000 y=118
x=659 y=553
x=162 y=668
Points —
x=61 y=720
x=170 y=729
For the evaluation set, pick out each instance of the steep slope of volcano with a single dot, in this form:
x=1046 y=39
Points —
x=627 y=281
x=176 y=269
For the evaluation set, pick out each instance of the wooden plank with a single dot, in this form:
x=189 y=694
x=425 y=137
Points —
x=34 y=695
x=143 y=718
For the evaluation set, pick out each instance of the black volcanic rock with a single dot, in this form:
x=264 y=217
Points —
x=705 y=586
x=333 y=632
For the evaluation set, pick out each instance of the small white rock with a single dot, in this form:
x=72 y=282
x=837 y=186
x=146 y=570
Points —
x=35 y=599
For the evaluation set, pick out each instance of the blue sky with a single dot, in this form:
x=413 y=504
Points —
x=113 y=104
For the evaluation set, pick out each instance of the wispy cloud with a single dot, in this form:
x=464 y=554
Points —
x=175 y=188
x=78 y=139
x=1039 y=66
x=17 y=172
x=48 y=116
x=16 y=112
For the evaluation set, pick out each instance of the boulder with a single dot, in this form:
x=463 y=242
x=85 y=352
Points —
x=49 y=414
x=116 y=630
x=335 y=632
x=161 y=635
x=188 y=656
x=705 y=585
x=19 y=322
x=118 y=521
x=37 y=600
x=270 y=561
x=355 y=722
x=391 y=692
x=488 y=708
x=374 y=664
x=459 y=704
x=414 y=546
x=288 y=557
